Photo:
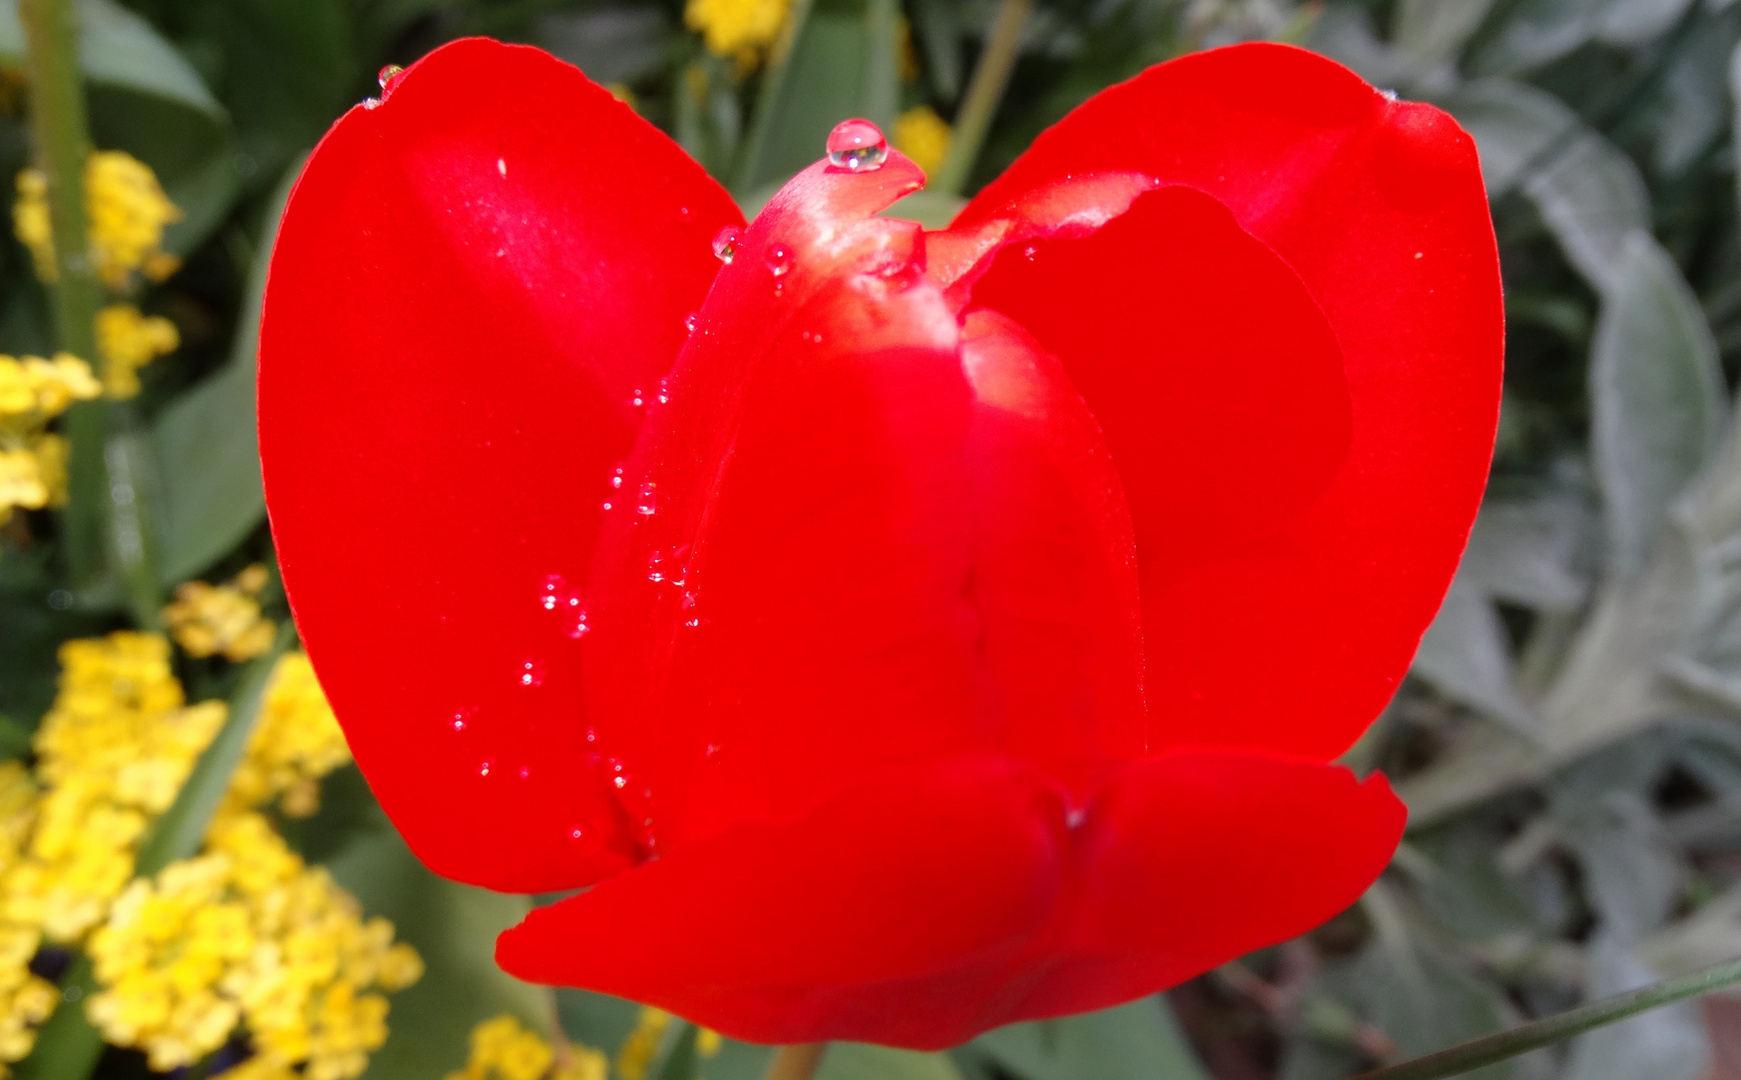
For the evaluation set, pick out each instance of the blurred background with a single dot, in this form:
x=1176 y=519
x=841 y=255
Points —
x=1568 y=743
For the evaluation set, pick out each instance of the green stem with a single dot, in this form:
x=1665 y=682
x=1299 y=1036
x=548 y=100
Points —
x=67 y=1046
x=108 y=514
x=984 y=92
x=796 y=1062
x=63 y=143
x=1534 y=1036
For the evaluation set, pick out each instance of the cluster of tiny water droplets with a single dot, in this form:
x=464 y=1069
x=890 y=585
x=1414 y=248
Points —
x=647 y=499
x=556 y=596
x=857 y=146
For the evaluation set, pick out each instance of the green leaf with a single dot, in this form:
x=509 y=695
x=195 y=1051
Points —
x=1137 y=1041
x=861 y=1061
x=1657 y=397
x=1432 y=31
x=118 y=48
x=1588 y=192
x=844 y=63
x=205 y=443
x=1466 y=655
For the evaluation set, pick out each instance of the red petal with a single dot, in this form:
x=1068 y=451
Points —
x=930 y=905
x=886 y=915
x=1378 y=206
x=1194 y=858
x=809 y=515
x=1055 y=571
x=470 y=283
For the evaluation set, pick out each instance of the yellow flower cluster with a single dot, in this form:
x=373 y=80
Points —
x=923 y=136
x=127 y=340
x=126 y=212
x=296 y=741
x=247 y=933
x=33 y=391
x=25 y=999
x=501 y=1049
x=642 y=1045
x=112 y=753
x=207 y=619
x=737 y=28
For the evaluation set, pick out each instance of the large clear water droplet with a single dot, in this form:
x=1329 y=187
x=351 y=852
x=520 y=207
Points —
x=857 y=146
x=726 y=241
x=389 y=77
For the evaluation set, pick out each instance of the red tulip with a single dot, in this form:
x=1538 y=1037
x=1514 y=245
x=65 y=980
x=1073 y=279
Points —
x=904 y=632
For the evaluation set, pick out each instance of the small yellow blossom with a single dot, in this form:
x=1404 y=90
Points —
x=208 y=619
x=636 y=1054
x=708 y=1042
x=128 y=340
x=126 y=212
x=502 y=1049
x=296 y=741
x=248 y=934
x=33 y=391
x=737 y=28
x=923 y=136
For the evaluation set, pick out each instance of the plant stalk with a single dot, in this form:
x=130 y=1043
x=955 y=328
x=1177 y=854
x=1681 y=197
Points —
x=1533 y=1036
x=753 y=151
x=990 y=78
x=798 y=1061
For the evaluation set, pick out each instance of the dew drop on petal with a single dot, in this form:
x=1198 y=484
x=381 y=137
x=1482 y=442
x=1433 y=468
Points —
x=530 y=673
x=389 y=77
x=525 y=772
x=664 y=397
x=726 y=241
x=647 y=502
x=656 y=567
x=484 y=767
x=616 y=477
x=689 y=322
x=779 y=259
x=637 y=398
x=461 y=720
x=552 y=592
x=857 y=146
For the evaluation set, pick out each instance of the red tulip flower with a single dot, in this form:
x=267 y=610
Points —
x=903 y=633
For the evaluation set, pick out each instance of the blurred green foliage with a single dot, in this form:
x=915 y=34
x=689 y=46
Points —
x=1570 y=740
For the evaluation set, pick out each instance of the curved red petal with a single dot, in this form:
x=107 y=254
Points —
x=783 y=610
x=888 y=914
x=471 y=282
x=927 y=905
x=1054 y=577
x=1377 y=205
x=1219 y=387
x=1191 y=859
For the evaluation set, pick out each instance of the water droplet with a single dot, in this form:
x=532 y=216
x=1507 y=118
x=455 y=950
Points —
x=647 y=503
x=616 y=477
x=576 y=833
x=389 y=77
x=779 y=259
x=372 y=103
x=484 y=767
x=656 y=567
x=502 y=166
x=691 y=623
x=638 y=399
x=689 y=322
x=1029 y=252
x=461 y=720
x=857 y=146
x=725 y=243
x=1388 y=95
x=591 y=735
x=664 y=397
x=525 y=772
x=552 y=592
x=530 y=673
x=607 y=506
x=713 y=751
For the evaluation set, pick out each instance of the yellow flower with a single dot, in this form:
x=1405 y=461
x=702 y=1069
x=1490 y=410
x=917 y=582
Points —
x=128 y=340
x=637 y=1052
x=126 y=212
x=296 y=741
x=502 y=1049
x=207 y=619
x=736 y=28
x=708 y=1042
x=34 y=391
x=923 y=136
x=247 y=934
